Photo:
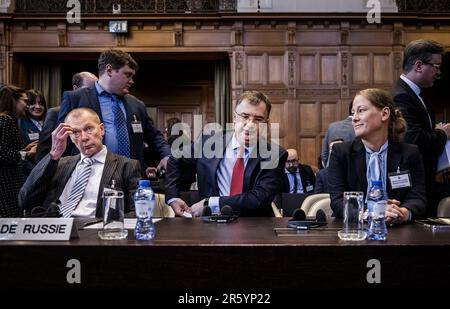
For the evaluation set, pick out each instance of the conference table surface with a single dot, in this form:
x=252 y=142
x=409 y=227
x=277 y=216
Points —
x=250 y=253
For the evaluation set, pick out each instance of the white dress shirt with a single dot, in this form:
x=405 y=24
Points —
x=88 y=204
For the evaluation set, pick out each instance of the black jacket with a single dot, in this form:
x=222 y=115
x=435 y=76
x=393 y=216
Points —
x=347 y=172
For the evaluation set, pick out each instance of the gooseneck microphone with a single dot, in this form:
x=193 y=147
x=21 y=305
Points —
x=226 y=215
x=300 y=222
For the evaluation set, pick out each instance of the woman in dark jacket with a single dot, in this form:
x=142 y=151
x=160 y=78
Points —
x=34 y=118
x=31 y=125
x=377 y=154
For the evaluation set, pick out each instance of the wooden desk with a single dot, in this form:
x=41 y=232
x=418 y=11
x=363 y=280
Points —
x=241 y=255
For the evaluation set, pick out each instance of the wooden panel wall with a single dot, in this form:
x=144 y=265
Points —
x=310 y=66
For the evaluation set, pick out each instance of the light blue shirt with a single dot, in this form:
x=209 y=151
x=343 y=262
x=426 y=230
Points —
x=383 y=164
x=225 y=171
x=290 y=176
x=106 y=104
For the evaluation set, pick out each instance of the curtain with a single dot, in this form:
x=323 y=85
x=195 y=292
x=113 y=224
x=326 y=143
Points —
x=222 y=92
x=47 y=79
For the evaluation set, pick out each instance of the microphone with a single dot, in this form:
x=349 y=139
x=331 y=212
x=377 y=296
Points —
x=300 y=222
x=226 y=215
x=206 y=212
x=226 y=211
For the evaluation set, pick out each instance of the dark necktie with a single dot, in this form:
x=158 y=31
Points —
x=295 y=183
x=427 y=106
x=123 y=145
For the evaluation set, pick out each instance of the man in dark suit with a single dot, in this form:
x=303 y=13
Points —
x=298 y=178
x=421 y=66
x=84 y=175
x=238 y=168
x=127 y=125
x=79 y=80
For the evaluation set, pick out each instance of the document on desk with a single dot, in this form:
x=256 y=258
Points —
x=129 y=224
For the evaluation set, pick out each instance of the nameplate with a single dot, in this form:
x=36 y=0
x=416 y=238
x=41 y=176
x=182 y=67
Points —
x=37 y=229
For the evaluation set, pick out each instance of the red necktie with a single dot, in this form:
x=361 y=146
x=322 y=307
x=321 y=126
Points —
x=237 y=178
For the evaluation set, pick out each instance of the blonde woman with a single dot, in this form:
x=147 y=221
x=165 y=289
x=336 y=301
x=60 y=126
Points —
x=377 y=154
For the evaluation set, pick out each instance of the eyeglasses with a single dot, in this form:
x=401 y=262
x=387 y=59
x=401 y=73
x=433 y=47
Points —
x=255 y=119
x=291 y=161
x=434 y=65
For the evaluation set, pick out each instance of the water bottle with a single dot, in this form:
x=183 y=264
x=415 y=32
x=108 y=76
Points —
x=376 y=206
x=144 y=202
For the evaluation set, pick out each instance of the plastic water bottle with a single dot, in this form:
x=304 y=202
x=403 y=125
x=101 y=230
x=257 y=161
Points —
x=376 y=206
x=144 y=202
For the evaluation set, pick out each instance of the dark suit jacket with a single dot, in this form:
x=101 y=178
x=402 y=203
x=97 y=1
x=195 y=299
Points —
x=87 y=97
x=48 y=179
x=347 y=172
x=431 y=142
x=260 y=185
x=45 y=136
x=322 y=181
x=306 y=175
x=339 y=129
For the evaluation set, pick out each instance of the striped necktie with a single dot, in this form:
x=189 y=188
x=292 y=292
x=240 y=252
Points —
x=78 y=188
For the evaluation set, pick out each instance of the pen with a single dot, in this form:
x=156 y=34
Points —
x=92 y=222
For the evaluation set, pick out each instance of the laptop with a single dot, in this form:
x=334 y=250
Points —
x=291 y=201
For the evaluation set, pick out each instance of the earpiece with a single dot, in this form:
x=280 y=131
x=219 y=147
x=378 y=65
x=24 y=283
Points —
x=300 y=222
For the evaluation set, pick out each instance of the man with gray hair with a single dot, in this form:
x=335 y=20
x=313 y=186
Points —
x=77 y=182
